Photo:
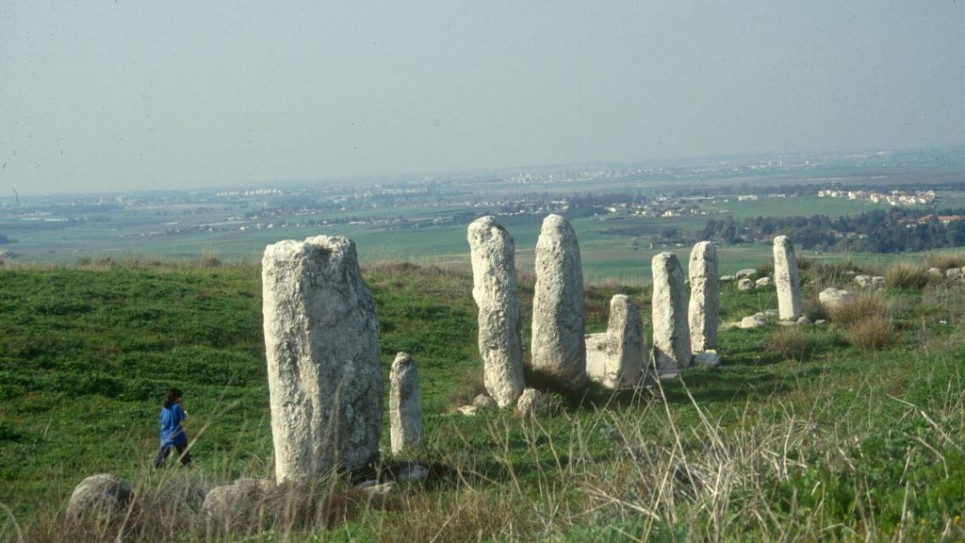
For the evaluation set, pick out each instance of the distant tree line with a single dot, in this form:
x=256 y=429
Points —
x=880 y=231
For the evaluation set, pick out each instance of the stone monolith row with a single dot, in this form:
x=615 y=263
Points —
x=559 y=348
x=789 y=303
x=321 y=340
x=496 y=293
x=671 y=331
x=405 y=405
x=704 y=311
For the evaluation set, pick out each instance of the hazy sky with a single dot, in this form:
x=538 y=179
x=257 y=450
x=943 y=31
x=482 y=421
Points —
x=105 y=95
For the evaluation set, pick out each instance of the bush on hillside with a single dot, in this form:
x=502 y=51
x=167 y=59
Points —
x=907 y=276
x=874 y=333
x=789 y=342
x=944 y=261
x=860 y=307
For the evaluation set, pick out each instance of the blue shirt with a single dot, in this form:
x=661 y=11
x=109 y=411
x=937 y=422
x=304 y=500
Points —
x=171 y=431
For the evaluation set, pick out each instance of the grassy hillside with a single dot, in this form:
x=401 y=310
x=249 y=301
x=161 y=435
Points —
x=799 y=435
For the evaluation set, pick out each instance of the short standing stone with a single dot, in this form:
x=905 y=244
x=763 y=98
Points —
x=671 y=331
x=496 y=293
x=324 y=374
x=559 y=348
x=405 y=405
x=789 y=303
x=620 y=358
x=99 y=495
x=704 y=309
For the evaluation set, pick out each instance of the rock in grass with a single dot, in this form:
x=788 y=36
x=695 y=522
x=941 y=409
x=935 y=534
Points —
x=704 y=308
x=754 y=321
x=558 y=344
x=99 y=495
x=405 y=405
x=496 y=292
x=537 y=403
x=671 y=331
x=239 y=504
x=832 y=297
x=789 y=303
x=745 y=285
x=324 y=373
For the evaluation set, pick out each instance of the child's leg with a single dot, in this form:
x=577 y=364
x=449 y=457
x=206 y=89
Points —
x=161 y=455
x=184 y=454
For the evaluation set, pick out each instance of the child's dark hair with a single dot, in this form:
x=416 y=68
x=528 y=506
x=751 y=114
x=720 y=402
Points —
x=173 y=395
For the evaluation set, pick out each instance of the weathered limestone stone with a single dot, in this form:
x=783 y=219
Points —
x=745 y=273
x=753 y=321
x=704 y=309
x=728 y=278
x=99 y=495
x=878 y=281
x=500 y=312
x=483 y=401
x=559 y=348
x=745 y=285
x=405 y=405
x=953 y=274
x=936 y=273
x=789 y=303
x=707 y=358
x=239 y=504
x=671 y=331
x=832 y=297
x=536 y=403
x=863 y=281
x=764 y=282
x=324 y=375
x=619 y=358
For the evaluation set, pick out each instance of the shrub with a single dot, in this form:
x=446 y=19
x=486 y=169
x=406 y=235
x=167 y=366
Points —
x=829 y=272
x=944 y=261
x=906 y=276
x=789 y=342
x=210 y=259
x=874 y=333
x=860 y=307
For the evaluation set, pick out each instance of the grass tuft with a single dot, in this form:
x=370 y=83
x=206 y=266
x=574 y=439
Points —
x=789 y=342
x=874 y=333
x=904 y=275
x=860 y=307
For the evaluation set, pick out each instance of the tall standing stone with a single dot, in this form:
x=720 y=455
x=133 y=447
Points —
x=405 y=405
x=321 y=339
x=496 y=293
x=704 y=312
x=623 y=360
x=789 y=303
x=671 y=331
x=559 y=347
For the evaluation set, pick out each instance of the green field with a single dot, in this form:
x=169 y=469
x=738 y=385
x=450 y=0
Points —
x=801 y=434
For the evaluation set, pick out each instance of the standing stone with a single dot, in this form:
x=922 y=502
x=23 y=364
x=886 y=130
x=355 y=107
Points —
x=704 y=311
x=789 y=303
x=671 y=331
x=559 y=347
x=405 y=405
x=324 y=376
x=621 y=359
x=496 y=292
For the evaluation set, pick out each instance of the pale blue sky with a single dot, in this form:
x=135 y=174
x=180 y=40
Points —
x=105 y=95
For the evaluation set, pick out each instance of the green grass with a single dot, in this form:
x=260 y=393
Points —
x=827 y=441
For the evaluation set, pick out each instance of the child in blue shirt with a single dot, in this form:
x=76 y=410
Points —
x=172 y=434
